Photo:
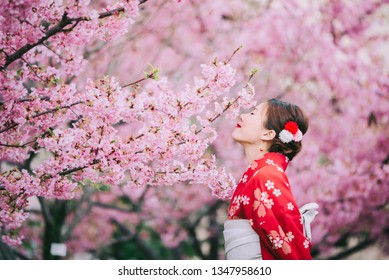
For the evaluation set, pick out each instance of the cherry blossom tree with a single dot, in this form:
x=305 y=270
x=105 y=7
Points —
x=85 y=120
x=45 y=112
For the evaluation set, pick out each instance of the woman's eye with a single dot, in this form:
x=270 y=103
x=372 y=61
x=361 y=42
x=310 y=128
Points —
x=252 y=113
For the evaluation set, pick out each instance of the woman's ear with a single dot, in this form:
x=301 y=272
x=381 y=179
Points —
x=268 y=135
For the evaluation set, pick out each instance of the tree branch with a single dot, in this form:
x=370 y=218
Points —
x=113 y=207
x=191 y=228
x=110 y=13
x=143 y=246
x=352 y=250
x=13 y=146
x=57 y=109
x=196 y=242
x=9 y=253
x=79 y=213
x=69 y=171
x=45 y=211
x=60 y=27
x=43 y=113
x=24 y=99
x=26 y=48
x=9 y=127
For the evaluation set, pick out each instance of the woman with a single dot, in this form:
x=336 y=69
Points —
x=264 y=221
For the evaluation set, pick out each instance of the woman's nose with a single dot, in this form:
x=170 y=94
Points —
x=242 y=116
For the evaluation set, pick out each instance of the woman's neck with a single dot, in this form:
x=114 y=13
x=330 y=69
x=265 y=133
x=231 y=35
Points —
x=253 y=152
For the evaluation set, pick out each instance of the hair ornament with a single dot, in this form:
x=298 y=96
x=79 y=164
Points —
x=291 y=132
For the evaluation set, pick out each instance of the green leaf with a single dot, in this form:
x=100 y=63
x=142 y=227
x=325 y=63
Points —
x=254 y=71
x=153 y=74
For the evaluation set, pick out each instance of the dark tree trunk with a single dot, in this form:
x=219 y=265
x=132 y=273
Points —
x=53 y=226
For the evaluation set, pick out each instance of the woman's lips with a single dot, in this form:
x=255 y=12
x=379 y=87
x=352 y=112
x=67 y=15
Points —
x=238 y=125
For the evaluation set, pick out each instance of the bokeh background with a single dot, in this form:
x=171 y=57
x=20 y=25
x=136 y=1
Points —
x=329 y=57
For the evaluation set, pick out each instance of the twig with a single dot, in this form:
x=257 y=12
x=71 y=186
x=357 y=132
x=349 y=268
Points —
x=148 y=76
x=32 y=68
x=59 y=56
x=233 y=102
x=218 y=115
x=229 y=59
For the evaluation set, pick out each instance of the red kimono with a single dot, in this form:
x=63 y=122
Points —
x=263 y=196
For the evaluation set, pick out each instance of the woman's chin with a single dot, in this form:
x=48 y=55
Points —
x=236 y=138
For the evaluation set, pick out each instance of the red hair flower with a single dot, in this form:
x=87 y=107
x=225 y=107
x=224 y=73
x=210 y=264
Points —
x=292 y=127
x=291 y=132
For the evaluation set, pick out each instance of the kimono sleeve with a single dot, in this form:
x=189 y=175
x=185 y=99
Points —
x=274 y=215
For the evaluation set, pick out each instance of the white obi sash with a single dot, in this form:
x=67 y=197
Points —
x=241 y=242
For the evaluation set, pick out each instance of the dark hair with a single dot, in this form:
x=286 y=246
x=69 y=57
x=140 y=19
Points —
x=278 y=113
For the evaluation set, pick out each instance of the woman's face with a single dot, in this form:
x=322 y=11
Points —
x=250 y=126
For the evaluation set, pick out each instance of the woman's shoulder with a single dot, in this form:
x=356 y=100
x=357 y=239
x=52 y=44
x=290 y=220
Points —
x=268 y=175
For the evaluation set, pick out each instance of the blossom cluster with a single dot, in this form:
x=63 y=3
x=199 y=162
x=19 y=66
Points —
x=42 y=45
